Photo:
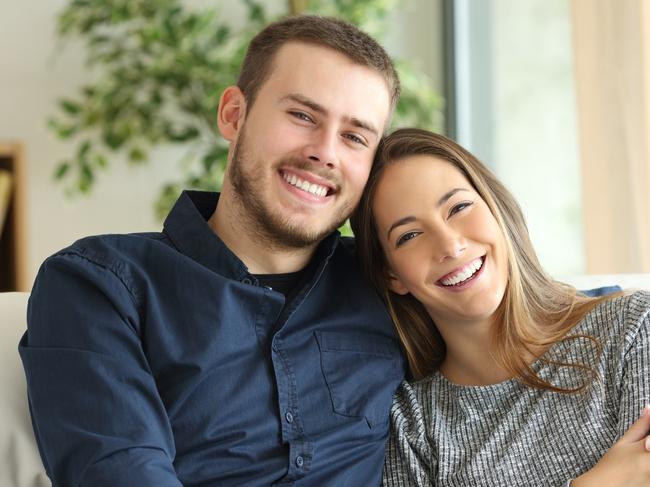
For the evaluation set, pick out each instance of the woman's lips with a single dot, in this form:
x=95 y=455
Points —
x=461 y=278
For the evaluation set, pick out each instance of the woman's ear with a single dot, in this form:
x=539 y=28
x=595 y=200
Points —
x=395 y=284
x=231 y=112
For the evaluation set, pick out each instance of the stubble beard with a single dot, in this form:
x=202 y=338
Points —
x=273 y=230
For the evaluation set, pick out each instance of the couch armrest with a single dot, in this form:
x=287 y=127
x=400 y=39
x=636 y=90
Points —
x=20 y=464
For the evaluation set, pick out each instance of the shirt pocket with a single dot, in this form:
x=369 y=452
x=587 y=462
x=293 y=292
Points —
x=362 y=372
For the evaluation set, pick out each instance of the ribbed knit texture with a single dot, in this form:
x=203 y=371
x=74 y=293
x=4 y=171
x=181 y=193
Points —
x=508 y=434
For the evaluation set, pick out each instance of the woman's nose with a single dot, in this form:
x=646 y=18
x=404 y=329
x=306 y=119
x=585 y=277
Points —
x=449 y=244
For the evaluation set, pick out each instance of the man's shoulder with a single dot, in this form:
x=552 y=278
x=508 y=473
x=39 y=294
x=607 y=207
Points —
x=348 y=245
x=345 y=256
x=104 y=246
x=112 y=251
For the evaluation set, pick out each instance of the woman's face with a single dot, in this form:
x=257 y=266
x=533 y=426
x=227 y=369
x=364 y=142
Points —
x=442 y=243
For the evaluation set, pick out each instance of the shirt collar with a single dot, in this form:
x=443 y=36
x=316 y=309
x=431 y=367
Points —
x=187 y=227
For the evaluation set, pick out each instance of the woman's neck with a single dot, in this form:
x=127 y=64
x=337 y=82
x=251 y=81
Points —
x=470 y=358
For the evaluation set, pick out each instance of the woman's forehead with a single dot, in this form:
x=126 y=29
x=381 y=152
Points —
x=419 y=173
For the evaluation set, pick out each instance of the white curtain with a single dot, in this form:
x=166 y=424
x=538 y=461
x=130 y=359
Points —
x=612 y=59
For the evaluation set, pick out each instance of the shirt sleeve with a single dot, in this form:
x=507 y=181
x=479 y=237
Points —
x=409 y=460
x=635 y=384
x=97 y=416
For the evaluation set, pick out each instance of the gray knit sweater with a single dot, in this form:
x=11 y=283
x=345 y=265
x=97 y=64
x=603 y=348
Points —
x=508 y=434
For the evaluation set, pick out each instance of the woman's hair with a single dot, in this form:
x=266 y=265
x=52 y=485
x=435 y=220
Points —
x=536 y=311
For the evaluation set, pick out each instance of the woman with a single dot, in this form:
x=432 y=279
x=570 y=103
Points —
x=518 y=379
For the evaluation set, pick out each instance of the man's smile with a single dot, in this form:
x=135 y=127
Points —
x=308 y=183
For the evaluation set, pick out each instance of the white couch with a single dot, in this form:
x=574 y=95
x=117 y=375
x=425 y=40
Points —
x=20 y=464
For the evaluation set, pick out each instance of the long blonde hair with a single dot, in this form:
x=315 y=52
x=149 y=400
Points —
x=536 y=311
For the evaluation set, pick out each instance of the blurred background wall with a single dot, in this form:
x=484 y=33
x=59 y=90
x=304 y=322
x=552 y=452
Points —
x=506 y=68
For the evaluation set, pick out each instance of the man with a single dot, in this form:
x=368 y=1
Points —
x=240 y=346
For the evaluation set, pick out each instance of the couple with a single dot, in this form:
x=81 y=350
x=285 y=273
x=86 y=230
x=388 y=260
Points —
x=241 y=346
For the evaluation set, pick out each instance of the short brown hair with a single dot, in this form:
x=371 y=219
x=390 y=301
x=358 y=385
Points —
x=328 y=32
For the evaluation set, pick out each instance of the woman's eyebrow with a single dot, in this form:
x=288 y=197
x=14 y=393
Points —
x=411 y=218
x=401 y=221
x=448 y=195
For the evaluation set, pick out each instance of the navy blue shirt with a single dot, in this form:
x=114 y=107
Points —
x=158 y=360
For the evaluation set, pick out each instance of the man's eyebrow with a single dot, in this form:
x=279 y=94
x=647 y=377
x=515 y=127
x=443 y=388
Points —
x=411 y=218
x=311 y=104
x=303 y=100
x=363 y=125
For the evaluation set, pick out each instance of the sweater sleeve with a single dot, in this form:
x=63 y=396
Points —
x=409 y=459
x=97 y=416
x=635 y=379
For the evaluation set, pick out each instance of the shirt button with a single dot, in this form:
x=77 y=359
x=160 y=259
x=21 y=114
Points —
x=289 y=417
x=299 y=461
x=246 y=280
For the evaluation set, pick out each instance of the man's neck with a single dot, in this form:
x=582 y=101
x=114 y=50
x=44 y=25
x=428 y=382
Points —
x=255 y=252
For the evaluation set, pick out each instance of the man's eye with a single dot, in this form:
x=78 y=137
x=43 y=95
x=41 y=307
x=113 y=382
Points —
x=460 y=207
x=302 y=116
x=356 y=139
x=406 y=237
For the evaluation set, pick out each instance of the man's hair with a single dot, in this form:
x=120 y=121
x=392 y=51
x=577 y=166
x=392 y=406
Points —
x=327 y=32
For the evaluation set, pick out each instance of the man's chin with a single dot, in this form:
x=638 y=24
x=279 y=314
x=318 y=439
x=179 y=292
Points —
x=300 y=236
x=298 y=233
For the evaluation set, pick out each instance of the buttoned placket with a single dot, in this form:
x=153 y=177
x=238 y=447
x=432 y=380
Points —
x=271 y=316
x=301 y=450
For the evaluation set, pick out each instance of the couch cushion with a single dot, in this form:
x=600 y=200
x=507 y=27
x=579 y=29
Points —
x=625 y=281
x=20 y=464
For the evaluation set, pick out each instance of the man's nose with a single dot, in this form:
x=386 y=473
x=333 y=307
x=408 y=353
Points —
x=322 y=147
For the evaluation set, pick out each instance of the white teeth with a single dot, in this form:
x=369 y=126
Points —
x=314 y=189
x=465 y=274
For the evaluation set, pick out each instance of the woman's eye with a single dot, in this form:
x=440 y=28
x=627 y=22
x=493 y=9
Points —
x=460 y=207
x=406 y=237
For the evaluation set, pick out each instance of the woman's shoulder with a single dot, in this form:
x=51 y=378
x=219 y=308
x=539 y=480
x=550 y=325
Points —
x=635 y=299
x=636 y=315
x=415 y=390
x=629 y=308
x=412 y=399
x=620 y=319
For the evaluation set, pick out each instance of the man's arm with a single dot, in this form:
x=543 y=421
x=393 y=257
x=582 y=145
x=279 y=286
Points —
x=97 y=415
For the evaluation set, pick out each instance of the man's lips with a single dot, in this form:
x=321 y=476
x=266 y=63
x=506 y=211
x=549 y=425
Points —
x=308 y=182
x=463 y=273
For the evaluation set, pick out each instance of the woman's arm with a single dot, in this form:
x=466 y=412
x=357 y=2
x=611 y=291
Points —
x=628 y=461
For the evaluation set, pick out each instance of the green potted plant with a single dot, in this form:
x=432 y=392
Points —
x=159 y=68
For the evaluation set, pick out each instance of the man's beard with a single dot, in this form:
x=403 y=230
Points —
x=274 y=230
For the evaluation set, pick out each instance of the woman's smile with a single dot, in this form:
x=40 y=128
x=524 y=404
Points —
x=464 y=277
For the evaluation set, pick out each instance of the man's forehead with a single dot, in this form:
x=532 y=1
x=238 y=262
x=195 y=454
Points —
x=331 y=80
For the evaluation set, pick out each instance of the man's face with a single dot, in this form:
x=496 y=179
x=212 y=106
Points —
x=303 y=153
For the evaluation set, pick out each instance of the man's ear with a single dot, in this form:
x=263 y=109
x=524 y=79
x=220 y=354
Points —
x=231 y=112
x=395 y=284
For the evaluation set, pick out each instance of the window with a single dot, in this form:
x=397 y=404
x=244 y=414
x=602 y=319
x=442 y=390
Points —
x=512 y=102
